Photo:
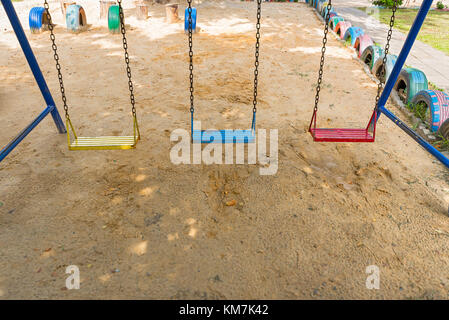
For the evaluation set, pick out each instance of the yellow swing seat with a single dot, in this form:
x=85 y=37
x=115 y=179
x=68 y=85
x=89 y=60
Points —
x=104 y=142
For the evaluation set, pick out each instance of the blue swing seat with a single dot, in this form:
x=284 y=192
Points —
x=224 y=136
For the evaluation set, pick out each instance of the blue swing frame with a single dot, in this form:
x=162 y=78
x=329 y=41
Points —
x=51 y=106
x=408 y=44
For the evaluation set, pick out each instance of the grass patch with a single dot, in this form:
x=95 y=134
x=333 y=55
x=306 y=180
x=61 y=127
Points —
x=434 y=32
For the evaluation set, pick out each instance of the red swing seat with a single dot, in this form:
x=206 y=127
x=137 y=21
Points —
x=344 y=135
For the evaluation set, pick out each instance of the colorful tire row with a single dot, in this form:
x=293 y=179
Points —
x=75 y=19
x=411 y=85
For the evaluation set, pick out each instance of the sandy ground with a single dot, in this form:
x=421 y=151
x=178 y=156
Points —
x=139 y=226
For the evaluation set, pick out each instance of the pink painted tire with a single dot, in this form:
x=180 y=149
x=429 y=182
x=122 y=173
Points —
x=361 y=43
x=341 y=28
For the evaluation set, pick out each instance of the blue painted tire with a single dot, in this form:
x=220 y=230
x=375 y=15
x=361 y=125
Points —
x=377 y=69
x=437 y=104
x=37 y=19
x=371 y=54
x=75 y=18
x=352 y=33
x=410 y=81
x=186 y=20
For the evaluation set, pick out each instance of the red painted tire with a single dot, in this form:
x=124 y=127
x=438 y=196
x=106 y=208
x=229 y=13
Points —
x=361 y=43
x=341 y=28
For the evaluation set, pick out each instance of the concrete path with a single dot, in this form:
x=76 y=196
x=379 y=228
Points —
x=434 y=63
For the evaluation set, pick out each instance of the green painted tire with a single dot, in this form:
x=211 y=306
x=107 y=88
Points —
x=409 y=83
x=114 y=19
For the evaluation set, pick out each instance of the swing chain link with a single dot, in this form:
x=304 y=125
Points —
x=256 y=63
x=192 y=109
x=382 y=77
x=128 y=68
x=323 y=51
x=56 y=57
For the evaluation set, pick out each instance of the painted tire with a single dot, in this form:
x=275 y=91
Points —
x=333 y=14
x=75 y=18
x=444 y=129
x=114 y=19
x=186 y=19
x=320 y=7
x=361 y=43
x=324 y=12
x=334 y=21
x=352 y=33
x=409 y=83
x=37 y=19
x=371 y=54
x=378 y=66
x=438 y=104
x=341 y=27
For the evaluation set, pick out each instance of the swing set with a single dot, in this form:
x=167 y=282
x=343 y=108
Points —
x=206 y=136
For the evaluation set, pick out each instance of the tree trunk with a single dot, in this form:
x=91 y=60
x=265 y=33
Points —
x=171 y=13
x=141 y=10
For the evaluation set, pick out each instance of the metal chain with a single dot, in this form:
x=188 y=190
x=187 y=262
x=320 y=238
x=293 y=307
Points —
x=323 y=50
x=56 y=57
x=256 y=63
x=386 y=50
x=192 y=109
x=128 y=68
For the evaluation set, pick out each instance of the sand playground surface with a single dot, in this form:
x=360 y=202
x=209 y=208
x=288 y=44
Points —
x=139 y=226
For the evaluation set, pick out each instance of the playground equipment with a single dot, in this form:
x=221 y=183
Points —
x=409 y=83
x=371 y=54
x=437 y=107
x=34 y=66
x=382 y=67
x=368 y=134
x=361 y=43
x=186 y=20
x=238 y=136
x=333 y=22
x=352 y=33
x=114 y=19
x=37 y=20
x=105 y=142
x=75 y=18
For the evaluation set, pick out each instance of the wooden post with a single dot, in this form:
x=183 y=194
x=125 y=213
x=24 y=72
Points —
x=171 y=13
x=64 y=5
x=141 y=10
x=104 y=8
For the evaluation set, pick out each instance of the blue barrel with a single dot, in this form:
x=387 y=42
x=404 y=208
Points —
x=186 y=20
x=37 y=19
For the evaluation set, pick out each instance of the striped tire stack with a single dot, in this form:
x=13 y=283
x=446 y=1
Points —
x=438 y=106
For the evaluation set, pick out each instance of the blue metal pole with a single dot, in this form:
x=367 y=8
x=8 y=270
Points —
x=408 y=44
x=431 y=149
x=15 y=23
x=14 y=142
